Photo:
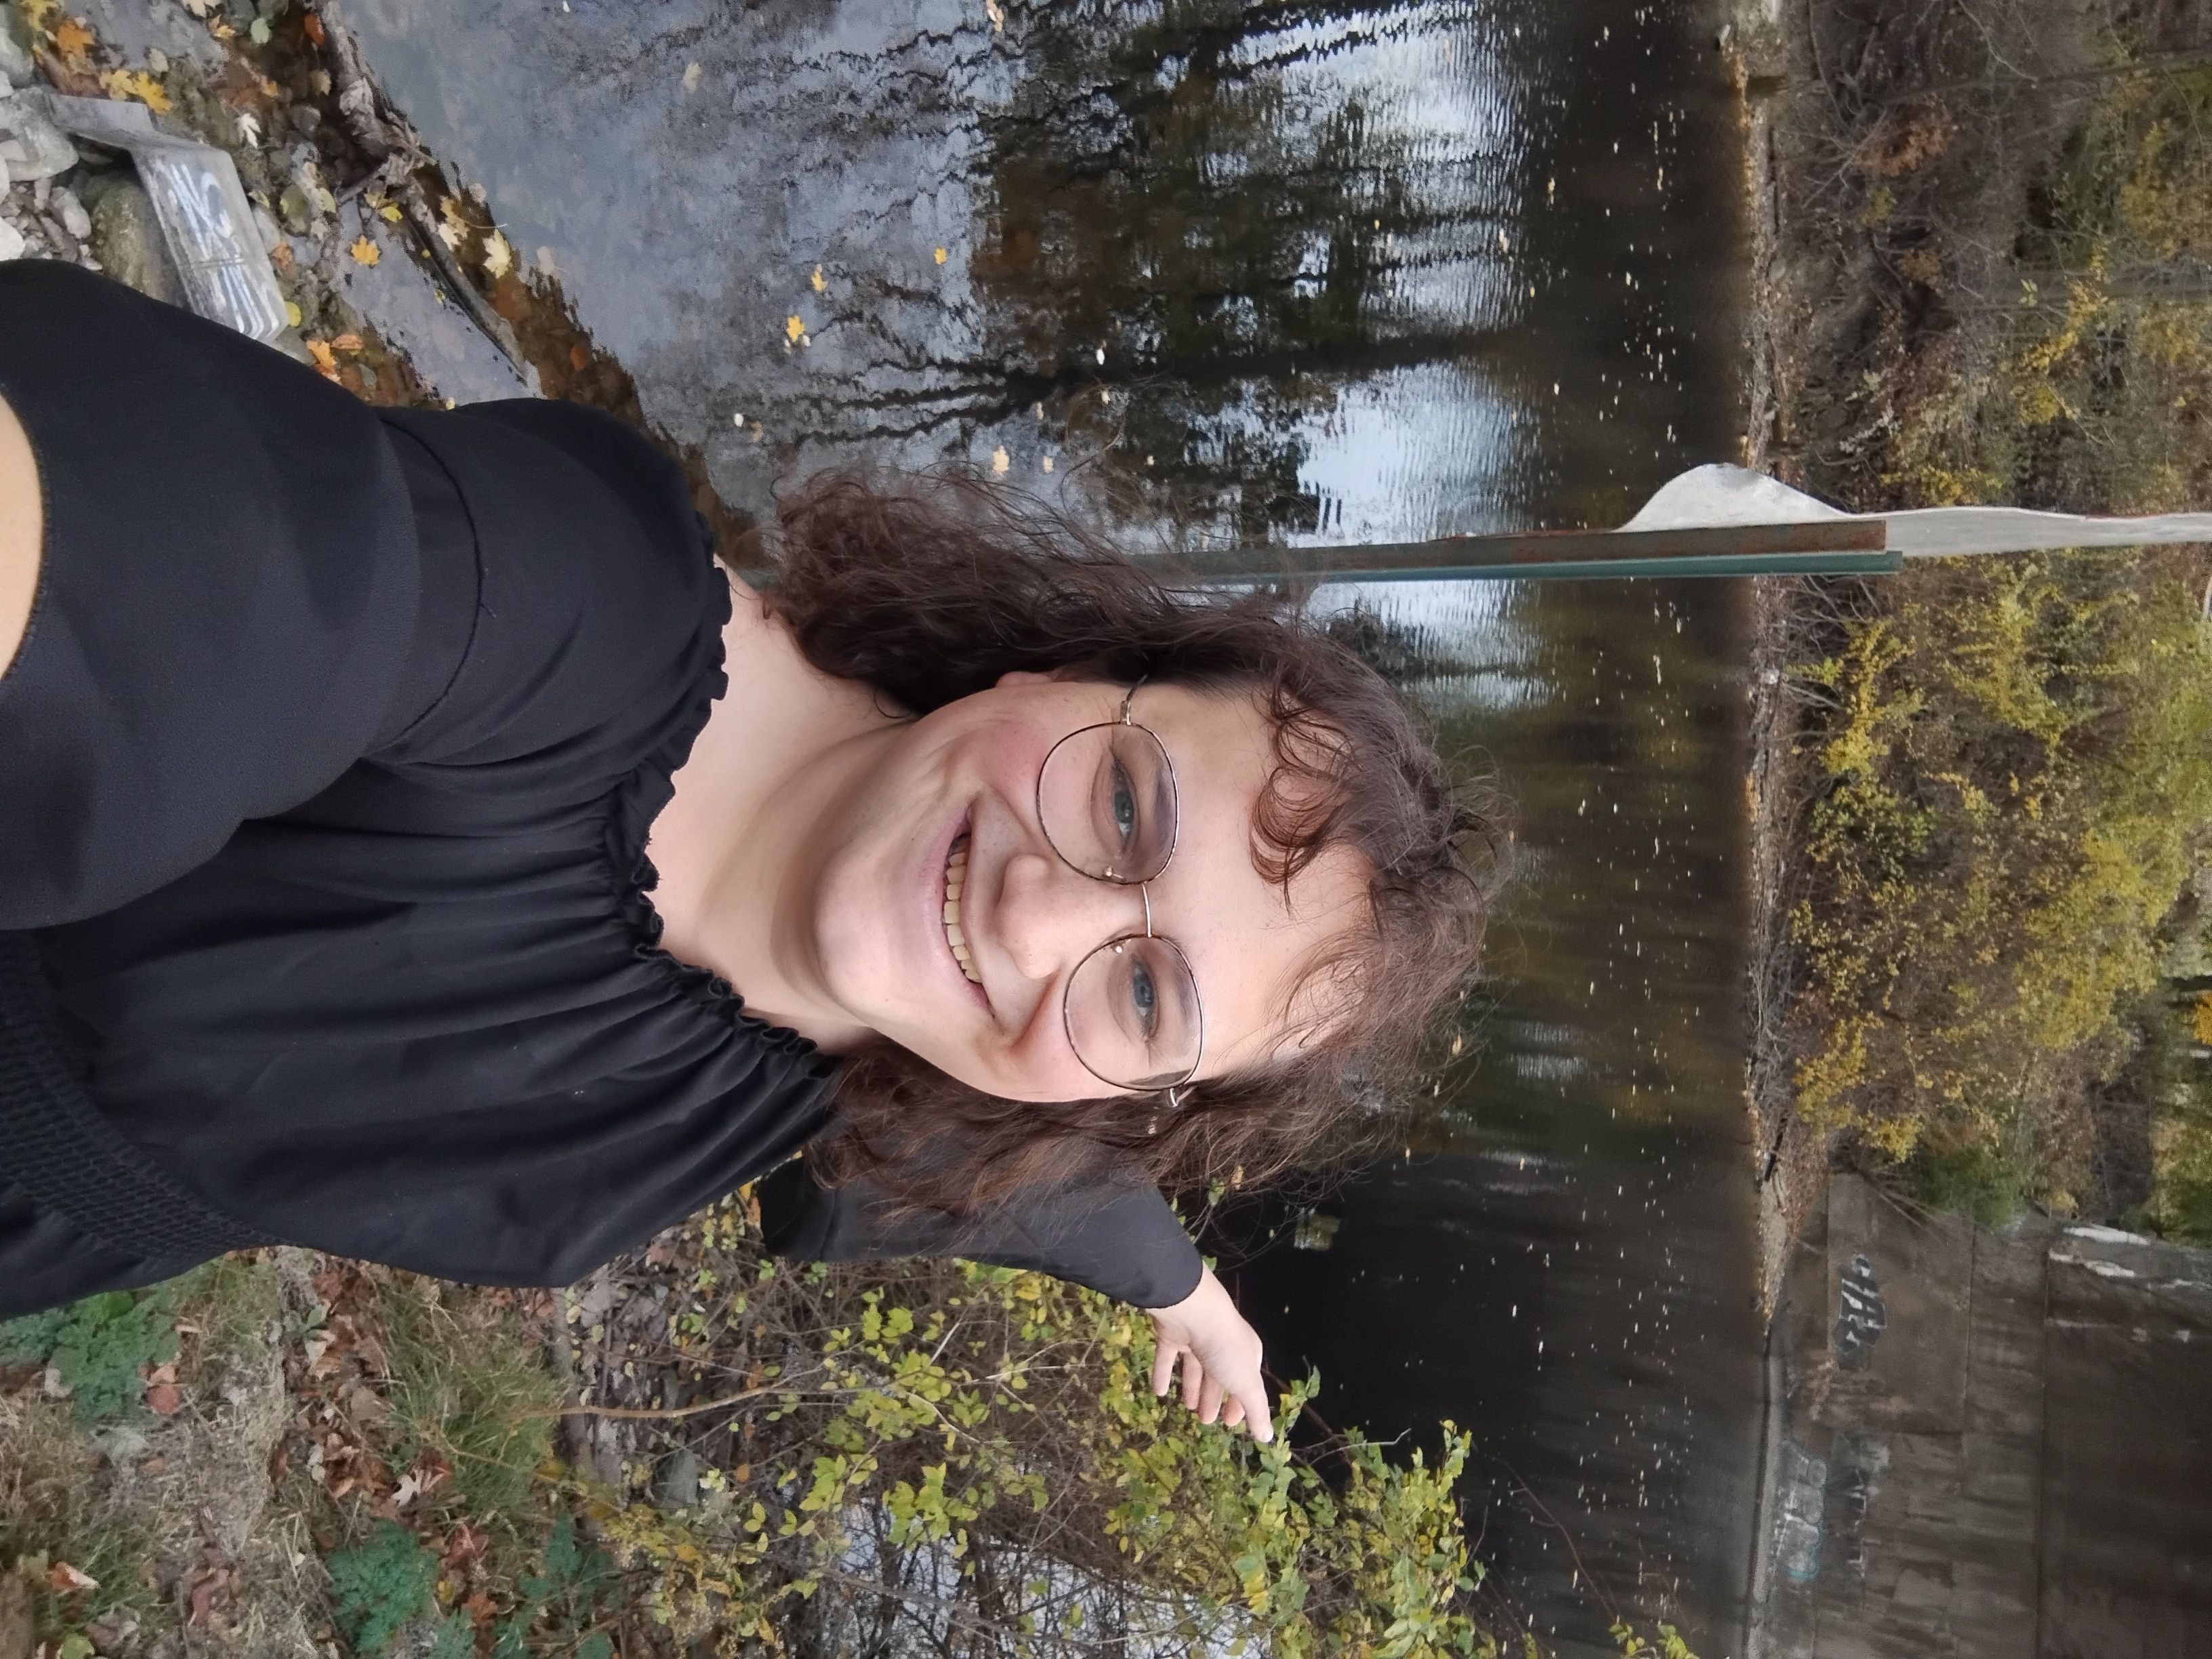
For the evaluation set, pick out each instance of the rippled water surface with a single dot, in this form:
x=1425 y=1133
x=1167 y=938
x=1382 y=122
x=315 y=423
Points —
x=1299 y=271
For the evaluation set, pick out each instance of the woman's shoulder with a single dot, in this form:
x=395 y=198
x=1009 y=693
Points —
x=597 y=608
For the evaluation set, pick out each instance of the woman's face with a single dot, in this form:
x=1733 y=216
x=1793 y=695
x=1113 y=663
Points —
x=963 y=780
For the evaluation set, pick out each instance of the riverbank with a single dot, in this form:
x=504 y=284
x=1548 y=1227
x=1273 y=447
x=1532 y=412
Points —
x=1978 y=801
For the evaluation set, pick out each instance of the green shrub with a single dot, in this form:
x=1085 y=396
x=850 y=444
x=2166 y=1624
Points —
x=378 y=1586
x=2014 y=790
x=101 y=1346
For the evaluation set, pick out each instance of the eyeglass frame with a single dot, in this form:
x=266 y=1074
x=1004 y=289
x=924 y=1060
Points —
x=1144 y=893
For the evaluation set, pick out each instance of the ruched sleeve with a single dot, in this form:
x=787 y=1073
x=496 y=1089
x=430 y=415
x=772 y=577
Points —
x=1123 y=1240
x=227 y=597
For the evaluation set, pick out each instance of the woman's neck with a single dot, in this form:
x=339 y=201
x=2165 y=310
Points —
x=741 y=844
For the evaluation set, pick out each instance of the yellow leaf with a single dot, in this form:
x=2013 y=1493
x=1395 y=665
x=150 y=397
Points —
x=499 y=257
x=391 y=212
x=940 y=256
x=365 y=251
x=73 y=40
x=292 y=313
x=820 y=285
x=999 y=461
x=324 y=364
x=36 y=13
x=136 y=83
x=794 y=326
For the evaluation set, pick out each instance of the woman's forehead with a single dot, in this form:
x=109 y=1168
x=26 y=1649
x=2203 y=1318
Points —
x=1251 y=940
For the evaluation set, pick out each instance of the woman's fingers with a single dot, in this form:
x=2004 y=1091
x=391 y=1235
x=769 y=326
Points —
x=1163 y=1359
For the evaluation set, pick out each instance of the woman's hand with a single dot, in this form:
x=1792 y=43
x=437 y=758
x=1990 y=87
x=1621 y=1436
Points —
x=1220 y=1356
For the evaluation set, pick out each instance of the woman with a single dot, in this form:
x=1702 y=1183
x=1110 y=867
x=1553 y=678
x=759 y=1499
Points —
x=333 y=744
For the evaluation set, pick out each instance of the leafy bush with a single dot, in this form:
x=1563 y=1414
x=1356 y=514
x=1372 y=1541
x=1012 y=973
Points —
x=2014 y=785
x=378 y=1586
x=992 y=1436
x=101 y=1346
x=577 y=1584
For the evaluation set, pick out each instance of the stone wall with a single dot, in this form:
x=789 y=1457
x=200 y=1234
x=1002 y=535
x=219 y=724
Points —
x=1986 y=1445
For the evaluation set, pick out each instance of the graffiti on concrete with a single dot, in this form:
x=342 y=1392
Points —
x=1863 y=1318
x=1800 y=1489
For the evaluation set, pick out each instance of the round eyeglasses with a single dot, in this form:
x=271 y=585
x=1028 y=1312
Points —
x=1106 y=801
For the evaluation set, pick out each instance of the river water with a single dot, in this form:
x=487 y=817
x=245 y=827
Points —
x=1309 y=270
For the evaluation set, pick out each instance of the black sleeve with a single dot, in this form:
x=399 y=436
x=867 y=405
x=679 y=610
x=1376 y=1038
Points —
x=226 y=594
x=1122 y=1239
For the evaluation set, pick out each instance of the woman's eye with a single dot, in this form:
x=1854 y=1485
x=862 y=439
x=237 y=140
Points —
x=1123 y=803
x=1146 y=998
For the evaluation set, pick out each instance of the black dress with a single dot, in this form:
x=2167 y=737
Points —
x=326 y=768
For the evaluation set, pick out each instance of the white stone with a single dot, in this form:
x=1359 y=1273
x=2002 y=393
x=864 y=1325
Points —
x=11 y=241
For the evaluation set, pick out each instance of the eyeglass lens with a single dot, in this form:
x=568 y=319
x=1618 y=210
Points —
x=1106 y=799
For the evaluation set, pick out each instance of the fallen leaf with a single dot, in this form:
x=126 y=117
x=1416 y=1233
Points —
x=136 y=83
x=346 y=342
x=693 y=74
x=480 y=1609
x=580 y=358
x=283 y=258
x=67 y=1579
x=314 y=26
x=73 y=40
x=1048 y=463
x=940 y=256
x=999 y=462
x=389 y=213
x=498 y=256
x=794 y=326
x=821 y=283
x=320 y=351
x=163 y=1398
x=365 y=252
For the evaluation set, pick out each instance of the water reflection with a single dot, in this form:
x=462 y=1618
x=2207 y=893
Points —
x=1559 y=1260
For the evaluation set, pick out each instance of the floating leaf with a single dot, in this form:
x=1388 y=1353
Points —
x=326 y=365
x=999 y=462
x=498 y=255
x=365 y=252
x=794 y=326
x=821 y=285
x=293 y=314
x=940 y=256
x=389 y=213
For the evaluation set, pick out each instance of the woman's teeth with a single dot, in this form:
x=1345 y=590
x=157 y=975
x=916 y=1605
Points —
x=955 y=879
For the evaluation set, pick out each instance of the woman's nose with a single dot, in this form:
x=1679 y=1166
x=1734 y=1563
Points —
x=1050 y=916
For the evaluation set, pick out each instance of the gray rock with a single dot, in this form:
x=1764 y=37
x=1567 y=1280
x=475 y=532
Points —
x=32 y=146
x=679 y=1479
x=71 y=212
x=12 y=245
x=16 y=68
x=126 y=239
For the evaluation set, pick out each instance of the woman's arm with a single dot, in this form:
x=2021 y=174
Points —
x=21 y=521
x=1128 y=1244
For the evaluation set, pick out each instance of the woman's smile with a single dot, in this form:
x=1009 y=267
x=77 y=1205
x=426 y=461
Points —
x=956 y=877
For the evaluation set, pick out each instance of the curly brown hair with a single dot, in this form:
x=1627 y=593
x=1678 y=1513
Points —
x=928 y=590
